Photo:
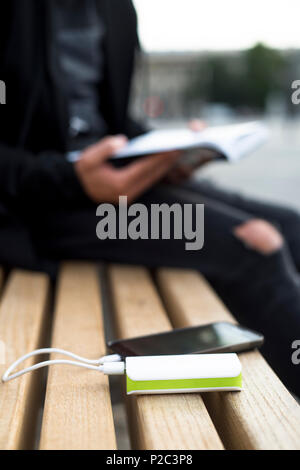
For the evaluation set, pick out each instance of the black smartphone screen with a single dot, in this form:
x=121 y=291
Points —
x=215 y=337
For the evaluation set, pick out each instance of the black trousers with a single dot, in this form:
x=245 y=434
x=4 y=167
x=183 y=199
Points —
x=263 y=292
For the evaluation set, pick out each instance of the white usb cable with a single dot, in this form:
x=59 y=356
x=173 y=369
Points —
x=109 y=365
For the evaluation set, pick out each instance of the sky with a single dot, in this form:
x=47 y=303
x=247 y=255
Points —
x=180 y=25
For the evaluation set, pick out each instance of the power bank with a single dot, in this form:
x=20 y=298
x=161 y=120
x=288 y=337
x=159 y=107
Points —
x=183 y=374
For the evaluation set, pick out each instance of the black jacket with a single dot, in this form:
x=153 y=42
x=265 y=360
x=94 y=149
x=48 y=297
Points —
x=33 y=123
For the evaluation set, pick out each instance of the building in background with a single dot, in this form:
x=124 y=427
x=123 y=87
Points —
x=218 y=87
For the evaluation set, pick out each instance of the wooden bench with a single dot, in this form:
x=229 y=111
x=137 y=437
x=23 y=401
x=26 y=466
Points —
x=74 y=410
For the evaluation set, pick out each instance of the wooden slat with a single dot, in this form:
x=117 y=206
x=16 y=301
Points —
x=264 y=415
x=157 y=421
x=78 y=413
x=22 y=320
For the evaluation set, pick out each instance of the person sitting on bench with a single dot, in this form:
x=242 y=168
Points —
x=67 y=66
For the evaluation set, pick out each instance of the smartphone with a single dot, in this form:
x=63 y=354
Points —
x=212 y=338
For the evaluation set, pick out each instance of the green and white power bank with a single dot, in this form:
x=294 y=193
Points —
x=154 y=374
x=183 y=374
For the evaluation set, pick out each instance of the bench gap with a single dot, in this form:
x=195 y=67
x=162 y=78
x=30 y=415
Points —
x=116 y=383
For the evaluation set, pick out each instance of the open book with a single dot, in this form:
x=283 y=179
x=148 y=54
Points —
x=231 y=142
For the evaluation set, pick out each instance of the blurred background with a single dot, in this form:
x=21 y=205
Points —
x=226 y=62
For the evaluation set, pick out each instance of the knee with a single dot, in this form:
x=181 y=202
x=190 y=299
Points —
x=260 y=236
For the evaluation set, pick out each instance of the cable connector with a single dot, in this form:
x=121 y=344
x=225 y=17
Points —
x=113 y=368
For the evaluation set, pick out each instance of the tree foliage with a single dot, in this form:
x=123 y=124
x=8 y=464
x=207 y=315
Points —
x=245 y=79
